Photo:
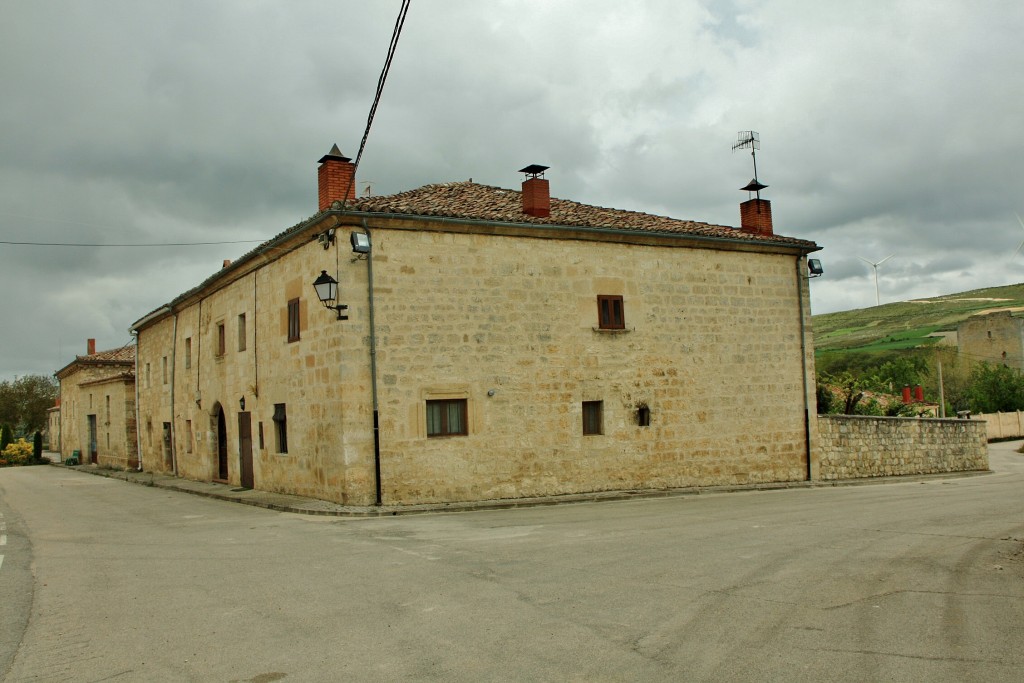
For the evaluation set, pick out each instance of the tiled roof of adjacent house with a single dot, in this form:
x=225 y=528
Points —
x=125 y=354
x=122 y=356
x=473 y=201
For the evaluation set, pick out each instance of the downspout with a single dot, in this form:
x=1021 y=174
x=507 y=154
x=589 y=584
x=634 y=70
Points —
x=803 y=360
x=373 y=367
x=174 y=355
x=138 y=422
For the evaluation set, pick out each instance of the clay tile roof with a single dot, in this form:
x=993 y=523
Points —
x=469 y=200
x=125 y=354
x=122 y=356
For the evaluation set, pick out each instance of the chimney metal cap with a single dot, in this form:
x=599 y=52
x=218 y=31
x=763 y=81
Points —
x=754 y=186
x=335 y=153
x=534 y=170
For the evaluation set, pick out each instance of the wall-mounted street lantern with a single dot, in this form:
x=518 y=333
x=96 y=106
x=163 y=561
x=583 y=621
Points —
x=327 y=291
x=241 y=404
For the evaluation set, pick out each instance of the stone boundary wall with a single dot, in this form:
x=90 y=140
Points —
x=853 y=446
x=1003 y=425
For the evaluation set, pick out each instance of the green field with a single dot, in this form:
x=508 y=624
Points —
x=906 y=324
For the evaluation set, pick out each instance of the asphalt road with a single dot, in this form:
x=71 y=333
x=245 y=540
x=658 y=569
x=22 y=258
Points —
x=102 y=580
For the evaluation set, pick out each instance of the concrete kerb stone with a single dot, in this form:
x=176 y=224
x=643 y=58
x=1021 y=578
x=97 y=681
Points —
x=281 y=502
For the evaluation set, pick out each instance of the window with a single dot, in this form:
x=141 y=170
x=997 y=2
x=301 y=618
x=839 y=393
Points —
x=241 y=332
x=221 y=340
x=609 y=312
x=164 y=368
x=188 y=436
x=293 y=320
x=281 y=427
x=148 y=384
x=108 y=408
x=262 y=447
x=446 y=417
x=188 y=352
x=592 y=414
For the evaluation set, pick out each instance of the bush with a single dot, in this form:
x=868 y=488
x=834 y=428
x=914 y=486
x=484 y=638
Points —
x=18 y=453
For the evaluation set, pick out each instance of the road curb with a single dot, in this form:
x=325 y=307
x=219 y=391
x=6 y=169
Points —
x=310 y=506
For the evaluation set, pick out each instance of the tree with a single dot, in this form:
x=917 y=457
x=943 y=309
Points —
x=996 y=389
x=24 y=402
x=6 y=437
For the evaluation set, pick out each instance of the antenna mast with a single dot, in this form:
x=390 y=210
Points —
x=750 y=139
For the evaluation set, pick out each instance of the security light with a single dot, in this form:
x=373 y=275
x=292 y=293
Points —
x=360 y=243
x=814 y=266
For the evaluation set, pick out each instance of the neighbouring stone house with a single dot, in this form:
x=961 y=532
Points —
x=97 y=408
x=993 y=337
x=498 y=344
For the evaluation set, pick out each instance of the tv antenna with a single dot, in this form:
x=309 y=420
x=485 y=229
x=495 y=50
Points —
x=878 y=301
x=749 y=139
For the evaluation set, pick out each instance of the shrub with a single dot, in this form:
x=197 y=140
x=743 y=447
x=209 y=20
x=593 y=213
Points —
x=18 y=453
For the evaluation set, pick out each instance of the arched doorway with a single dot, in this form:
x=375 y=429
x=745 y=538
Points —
x=222 y=445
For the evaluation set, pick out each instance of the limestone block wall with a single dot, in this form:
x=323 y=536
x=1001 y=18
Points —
x=995 y=338
x=711 y=346
x=88 y=391
x=320 y=381
x=853 y=446
x=715 y=347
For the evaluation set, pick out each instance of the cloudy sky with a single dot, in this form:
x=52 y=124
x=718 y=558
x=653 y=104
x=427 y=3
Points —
x=887 y=127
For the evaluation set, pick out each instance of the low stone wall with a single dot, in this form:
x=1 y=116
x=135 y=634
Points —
x=1003 y=425
x=853 y=446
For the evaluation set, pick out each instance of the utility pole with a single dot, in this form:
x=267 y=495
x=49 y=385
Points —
x=942 y=394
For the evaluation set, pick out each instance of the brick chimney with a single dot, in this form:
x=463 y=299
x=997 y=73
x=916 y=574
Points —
x=337 y=178
x=756 y=216
x=90 y=347
x=536 y=192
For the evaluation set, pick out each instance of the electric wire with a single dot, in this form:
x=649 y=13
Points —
x=161 y=244
x=395 y=34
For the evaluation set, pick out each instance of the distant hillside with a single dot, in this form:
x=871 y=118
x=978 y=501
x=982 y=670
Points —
x=907 y=324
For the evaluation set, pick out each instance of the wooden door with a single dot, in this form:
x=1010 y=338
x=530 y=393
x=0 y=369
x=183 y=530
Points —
x=222 y=446
x=93 y=454
x=245 y=449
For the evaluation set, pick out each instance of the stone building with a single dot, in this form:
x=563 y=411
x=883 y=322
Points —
x=97 y=408
x=993 y=337
x=496 y=344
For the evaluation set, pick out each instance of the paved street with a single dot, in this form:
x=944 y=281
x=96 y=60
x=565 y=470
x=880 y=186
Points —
x=102 y=580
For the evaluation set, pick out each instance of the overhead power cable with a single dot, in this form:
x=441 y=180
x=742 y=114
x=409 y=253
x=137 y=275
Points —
x=395 y=34
x=161 y=244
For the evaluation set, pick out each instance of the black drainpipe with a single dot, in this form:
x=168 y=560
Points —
x=373 y=367
x=801 y=268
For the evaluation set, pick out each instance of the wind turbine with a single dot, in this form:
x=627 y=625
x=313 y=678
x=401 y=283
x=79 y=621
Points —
x=1021 y=245
x=878 y=300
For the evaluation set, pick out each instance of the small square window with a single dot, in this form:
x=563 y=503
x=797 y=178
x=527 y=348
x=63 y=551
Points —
x=592 y=417
x=610 y=312
x=293 y=320
x=447 y=417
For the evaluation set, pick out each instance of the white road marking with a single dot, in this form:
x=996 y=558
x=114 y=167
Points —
x=3 y=539
x=1 y=560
